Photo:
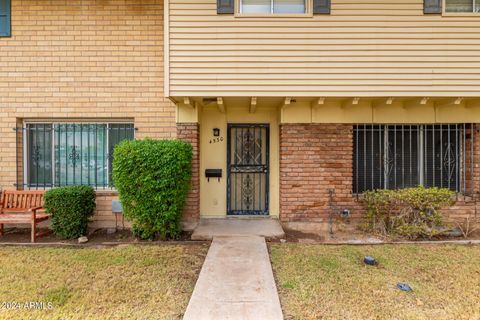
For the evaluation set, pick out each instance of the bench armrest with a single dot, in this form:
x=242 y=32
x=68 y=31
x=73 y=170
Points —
x=34 y=212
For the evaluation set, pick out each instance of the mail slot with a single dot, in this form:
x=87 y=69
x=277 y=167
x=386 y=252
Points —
x=213 y=173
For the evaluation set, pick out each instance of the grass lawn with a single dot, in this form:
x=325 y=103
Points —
x=124 y=282
x=331 y=282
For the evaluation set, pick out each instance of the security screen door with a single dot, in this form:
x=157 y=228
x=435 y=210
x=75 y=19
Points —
x=248 y=169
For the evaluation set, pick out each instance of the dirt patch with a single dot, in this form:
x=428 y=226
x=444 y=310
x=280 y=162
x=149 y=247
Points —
x=296 y=236
x=356 y=236
x=95 y=237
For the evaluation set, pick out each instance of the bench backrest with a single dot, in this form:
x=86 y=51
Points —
x=13 y=199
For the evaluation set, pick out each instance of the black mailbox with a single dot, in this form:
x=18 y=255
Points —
x=213 y=173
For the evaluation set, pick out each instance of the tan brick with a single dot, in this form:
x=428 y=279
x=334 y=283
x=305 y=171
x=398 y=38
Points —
x=100 y=60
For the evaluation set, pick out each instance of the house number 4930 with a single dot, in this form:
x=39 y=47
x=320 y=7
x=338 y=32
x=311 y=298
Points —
x=216 y=139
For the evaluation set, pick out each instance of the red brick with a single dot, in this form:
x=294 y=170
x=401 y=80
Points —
x=190 y=132
x=317 y=157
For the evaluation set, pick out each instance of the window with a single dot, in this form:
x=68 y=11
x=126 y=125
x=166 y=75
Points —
x=5 y=28
x=462 y=6
x=273 y=6
x=64 y=154
x=401 y=156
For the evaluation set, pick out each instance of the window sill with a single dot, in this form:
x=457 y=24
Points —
x=270 y=16
x=461 y=14
x=106 y=192
x=103 y=192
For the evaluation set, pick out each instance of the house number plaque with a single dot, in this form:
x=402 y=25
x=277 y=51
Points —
x=216 y=140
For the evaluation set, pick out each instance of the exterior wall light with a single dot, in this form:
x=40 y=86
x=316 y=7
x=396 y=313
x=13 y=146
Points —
x=216 y=132
x=345 y=213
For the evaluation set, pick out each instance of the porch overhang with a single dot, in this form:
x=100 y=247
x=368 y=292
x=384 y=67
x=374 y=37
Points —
x=393 y=109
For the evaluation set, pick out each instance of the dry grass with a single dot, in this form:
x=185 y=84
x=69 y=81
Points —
x=124 y=282
x=331 y=282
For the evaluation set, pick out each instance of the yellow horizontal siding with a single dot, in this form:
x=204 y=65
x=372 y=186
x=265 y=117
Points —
x=364 y=48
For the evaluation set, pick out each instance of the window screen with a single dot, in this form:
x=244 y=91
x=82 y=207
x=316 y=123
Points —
x=462 y=6
x=288 y=6
x=256 y=6
x=273 y=6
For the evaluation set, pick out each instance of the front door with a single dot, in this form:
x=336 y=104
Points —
x=248 y=169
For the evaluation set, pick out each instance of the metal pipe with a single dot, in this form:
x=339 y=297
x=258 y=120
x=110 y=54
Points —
x=364 y=157
x=356 y=160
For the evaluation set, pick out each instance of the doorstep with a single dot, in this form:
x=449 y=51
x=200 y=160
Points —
x=223 y=227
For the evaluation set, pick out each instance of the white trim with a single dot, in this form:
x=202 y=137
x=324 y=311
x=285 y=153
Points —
x=307 y=14
x=475 y=5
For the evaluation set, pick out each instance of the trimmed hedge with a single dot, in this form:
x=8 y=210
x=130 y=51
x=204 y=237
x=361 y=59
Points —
x=70 y=208
x=153 y=179
x=411 y=212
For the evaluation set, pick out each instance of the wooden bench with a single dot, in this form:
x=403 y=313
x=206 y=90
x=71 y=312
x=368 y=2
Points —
x=20 y=207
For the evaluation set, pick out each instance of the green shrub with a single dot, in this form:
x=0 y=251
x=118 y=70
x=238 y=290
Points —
x=70 y=208
x=411 y=212
x=153 y=179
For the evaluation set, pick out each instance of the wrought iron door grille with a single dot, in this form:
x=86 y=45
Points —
x=401 y=156
x=248 y=169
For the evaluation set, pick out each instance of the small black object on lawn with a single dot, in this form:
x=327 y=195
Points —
x=404 y=287
x=370 y=260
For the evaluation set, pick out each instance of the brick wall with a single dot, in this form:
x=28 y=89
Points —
x=317 y=157
x=190 y=132
x=469 y=206
x=83 y=60
x=314 y=158
x=104 y=218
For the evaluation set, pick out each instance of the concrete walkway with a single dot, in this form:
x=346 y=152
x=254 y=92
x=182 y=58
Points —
x=207 y=229
x=236 y=282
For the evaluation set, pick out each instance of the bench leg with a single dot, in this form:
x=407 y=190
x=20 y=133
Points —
x=34 y=231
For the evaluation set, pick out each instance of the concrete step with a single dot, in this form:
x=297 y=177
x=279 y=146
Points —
x=263 y=227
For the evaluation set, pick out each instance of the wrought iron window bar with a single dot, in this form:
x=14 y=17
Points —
x=400 y=156
x=62 y=154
